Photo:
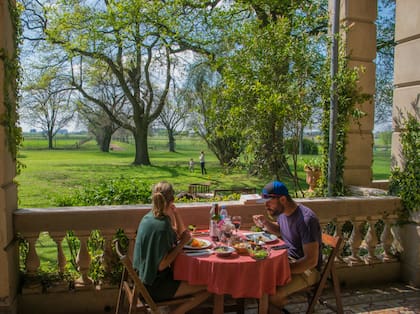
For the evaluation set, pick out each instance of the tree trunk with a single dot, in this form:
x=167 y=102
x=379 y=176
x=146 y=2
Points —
x=171 y=140
x=103 y=138
x=50 y=140
x=142 y=150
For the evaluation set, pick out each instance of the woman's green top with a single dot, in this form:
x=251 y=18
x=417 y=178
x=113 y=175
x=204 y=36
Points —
x=155 y=237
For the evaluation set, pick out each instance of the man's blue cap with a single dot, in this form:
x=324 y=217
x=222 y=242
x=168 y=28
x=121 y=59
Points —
x=272 y=190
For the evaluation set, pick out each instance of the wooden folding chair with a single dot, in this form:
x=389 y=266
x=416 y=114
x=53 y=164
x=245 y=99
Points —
x=134 y=291
x=328 y=271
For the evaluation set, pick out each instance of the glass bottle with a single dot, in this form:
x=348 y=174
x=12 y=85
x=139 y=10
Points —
x=214 y=220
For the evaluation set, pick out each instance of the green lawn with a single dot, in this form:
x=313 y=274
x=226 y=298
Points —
x=52 y=173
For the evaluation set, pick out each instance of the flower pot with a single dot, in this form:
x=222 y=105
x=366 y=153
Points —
x=312 y=177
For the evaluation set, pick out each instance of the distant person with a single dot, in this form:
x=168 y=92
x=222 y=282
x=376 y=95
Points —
x=191 y=165
x=202 y=163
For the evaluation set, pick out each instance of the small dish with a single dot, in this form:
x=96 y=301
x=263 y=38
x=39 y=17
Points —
x=259 y=254
x=241 y=248
x=223 y=250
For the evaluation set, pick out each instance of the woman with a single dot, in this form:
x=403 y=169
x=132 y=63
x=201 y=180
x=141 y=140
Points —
x=202 y=163
x=161 y=236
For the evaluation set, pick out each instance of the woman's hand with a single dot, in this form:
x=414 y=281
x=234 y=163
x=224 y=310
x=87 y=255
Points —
x=184 y=237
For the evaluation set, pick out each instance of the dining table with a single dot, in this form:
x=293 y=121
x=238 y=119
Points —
x=237 y=275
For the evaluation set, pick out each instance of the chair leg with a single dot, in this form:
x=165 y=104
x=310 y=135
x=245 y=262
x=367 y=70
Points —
x=121 y=296
x=316 y=295
x=337 y=293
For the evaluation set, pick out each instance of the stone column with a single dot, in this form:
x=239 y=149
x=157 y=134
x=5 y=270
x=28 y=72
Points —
x=8 y=194
x=359 y=16
x=407 y=100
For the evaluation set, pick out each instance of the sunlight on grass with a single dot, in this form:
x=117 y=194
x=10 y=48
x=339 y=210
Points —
x=52 y=173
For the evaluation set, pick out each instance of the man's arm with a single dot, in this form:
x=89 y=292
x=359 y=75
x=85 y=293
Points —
x=308 y=261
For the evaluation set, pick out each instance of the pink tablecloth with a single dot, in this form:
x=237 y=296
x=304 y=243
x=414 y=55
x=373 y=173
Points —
x=238 y=275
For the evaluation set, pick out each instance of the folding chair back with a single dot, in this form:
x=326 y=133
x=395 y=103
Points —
x=328 y=271
x=134 y=291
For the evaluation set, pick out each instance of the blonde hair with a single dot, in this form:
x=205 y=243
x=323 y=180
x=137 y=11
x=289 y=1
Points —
x=162 y=195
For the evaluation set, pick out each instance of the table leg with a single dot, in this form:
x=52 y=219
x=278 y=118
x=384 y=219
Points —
x=218 y=304
x=263 y=304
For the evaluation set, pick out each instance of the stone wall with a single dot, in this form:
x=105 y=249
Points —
x=8 y=194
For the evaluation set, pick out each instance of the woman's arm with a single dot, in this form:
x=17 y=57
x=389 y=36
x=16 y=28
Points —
x=172 y=254
x=178 y=223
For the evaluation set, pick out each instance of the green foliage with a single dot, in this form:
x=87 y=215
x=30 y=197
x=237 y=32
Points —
x=386 y=138
x=348 y=94
x=12 y=79
x=268 y=81
x=109 y=192
x=313 y=164
x=308 y=147
x=406 y=182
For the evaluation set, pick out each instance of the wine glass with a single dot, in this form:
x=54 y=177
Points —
x=227 y=229
x=236 y=220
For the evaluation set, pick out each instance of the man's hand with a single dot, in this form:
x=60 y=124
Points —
x=259 y=220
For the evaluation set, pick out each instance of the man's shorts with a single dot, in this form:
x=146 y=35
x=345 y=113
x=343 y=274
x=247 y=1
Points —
x=299 y=282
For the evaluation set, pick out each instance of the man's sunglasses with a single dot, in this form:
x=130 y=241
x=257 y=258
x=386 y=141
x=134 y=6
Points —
x=267 y=196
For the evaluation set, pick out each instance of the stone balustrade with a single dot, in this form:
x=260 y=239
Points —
x=353 y=218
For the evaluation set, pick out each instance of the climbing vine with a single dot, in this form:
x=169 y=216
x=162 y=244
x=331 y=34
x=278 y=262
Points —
x=349 y=94
x=11 y=83
x=406 y=182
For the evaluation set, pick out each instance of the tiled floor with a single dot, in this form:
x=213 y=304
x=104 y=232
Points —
x=388 y=299
x=396 y=298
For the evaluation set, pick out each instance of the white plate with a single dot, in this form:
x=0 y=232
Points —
x=204 y=244
x=224 y=250
x=264 y=237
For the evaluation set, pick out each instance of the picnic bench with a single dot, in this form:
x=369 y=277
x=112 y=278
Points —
x=199 y=189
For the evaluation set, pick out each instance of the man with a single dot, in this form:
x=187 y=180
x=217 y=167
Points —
x=299 y=227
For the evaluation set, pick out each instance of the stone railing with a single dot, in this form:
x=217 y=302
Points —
x=365 y=223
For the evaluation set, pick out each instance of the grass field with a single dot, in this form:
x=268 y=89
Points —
x=52 y=173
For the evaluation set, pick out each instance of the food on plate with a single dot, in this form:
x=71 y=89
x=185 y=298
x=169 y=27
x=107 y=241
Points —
x=224 y=250
x=258 y=253
x=256 y=229
x=241 y=248
x=221 y=249
x=196 y=242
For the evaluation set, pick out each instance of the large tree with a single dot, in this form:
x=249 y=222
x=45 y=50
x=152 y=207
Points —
x=137 y=41
x=174 y=115
x=270 y=78
x=47 y=102
x=385 y=62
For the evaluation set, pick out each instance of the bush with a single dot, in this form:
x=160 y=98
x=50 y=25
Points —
x=309 y=147
x=119 y=191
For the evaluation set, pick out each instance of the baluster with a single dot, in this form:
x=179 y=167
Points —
x=107 y=255
x=371 y=241
x=32 y=259
x=355 y=241
x=32 y=262
x=83 y=262
x=61 y=259
x=387 y=239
